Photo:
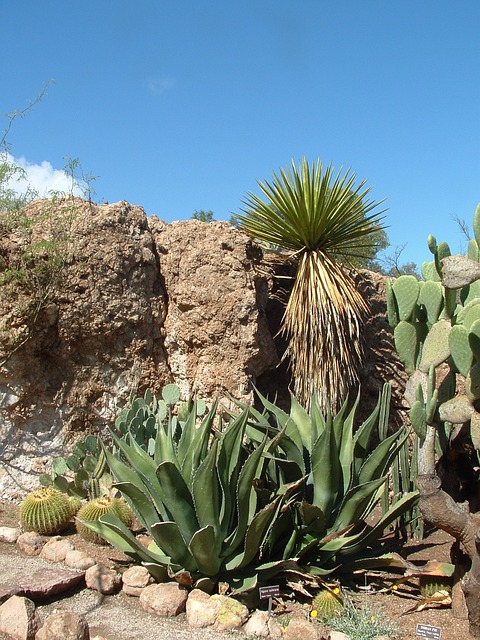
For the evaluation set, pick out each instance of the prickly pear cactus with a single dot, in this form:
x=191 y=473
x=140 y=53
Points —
x=46 y=511
x=439 y=326
x=84 y=473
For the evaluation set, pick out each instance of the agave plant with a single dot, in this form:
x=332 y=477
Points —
x=318 y=221
x=197 y=499
x=344 y=479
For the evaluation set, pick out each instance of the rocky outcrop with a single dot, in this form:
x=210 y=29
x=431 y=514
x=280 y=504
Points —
x=140 y=304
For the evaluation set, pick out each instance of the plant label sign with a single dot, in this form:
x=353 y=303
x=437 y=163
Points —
x=427 y=631
x=269 y=592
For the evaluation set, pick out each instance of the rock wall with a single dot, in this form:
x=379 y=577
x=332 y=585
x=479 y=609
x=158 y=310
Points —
x=144 y=303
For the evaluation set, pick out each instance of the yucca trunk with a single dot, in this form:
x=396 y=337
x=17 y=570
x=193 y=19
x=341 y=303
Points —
x=323 y=321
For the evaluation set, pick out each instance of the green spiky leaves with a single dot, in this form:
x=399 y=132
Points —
x=316 y=219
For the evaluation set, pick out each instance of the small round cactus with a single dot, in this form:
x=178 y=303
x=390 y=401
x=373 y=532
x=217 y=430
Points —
x=75 y=504
x=327 y=603
x=46 y=511
x=431 y=585
x=94 y=509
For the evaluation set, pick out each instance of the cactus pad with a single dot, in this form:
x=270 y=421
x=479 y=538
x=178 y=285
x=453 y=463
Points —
x=406 y=290
x=405 y=336
x=436 y=348
x=472 y=383
x=46 y=511
x=460 y=349
x=431 y=297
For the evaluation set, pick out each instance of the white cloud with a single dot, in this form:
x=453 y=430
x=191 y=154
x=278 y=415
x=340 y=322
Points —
x=42 y=178
x=159 y=85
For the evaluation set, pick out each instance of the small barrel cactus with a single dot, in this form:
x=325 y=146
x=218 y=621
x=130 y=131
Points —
x=432 y=585
x=75 y=504
x=46 y=511
x=94 y=509
x=328 y=604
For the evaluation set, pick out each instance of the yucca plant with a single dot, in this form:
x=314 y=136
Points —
x=196 y=496
x=319 y=221
x=344 y=477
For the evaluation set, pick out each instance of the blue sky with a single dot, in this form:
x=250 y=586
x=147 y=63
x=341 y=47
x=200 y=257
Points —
x=182 y=105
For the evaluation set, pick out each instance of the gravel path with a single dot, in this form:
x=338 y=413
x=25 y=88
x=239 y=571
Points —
x=117 y=617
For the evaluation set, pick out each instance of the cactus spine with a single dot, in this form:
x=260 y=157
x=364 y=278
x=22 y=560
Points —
x=96 y=508
x=46 y=511
x=328 y=604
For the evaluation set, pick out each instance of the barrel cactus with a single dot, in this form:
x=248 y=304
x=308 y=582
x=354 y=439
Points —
x=328 y=603
x=46 y=511
x=94 y=509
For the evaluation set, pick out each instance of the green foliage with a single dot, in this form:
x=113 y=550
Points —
x=437 y=336
x=203 y=216
x=195 y=494
x=96 y=508
x=363 y=622
x=243 y=501
x=437 y=326
x=84 y=473
x=318 y=221
x=45 y=511
x=344 y=479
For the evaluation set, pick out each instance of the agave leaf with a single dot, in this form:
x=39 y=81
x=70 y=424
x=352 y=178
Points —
x=141 y=472
x=205 y=490
x=291 y=451
x=313 y=517
x=372 y=534
x=114 y=531
x=168 y=538
x=140 y=502
x=346 y=444
x=246 y=497
x=356 y=501
x=378 y=461
x=338 y=424
x=178 y=499
x=229 y=463
x=361 y=439
x=203 y=547
x=164 y=445
x=301 y=429
x=280 y=415
x=326 y=472
x=256 y=536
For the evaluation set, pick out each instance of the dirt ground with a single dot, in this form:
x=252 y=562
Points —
x=121 y=618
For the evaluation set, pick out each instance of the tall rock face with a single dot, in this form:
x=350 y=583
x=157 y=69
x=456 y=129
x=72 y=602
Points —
x=142 y=304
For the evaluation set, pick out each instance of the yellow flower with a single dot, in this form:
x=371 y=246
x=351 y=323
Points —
x=313 y=613
x=395 y=587
x=336 y=590
x=373 y=619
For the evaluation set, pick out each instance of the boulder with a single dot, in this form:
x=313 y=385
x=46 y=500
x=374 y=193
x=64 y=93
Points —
x=18 y=618
x=102 y=578
x=135 y=579
x=56 y=549
x=31 y=543
x=166 y=600
x=64 y=625
x=45 y=583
